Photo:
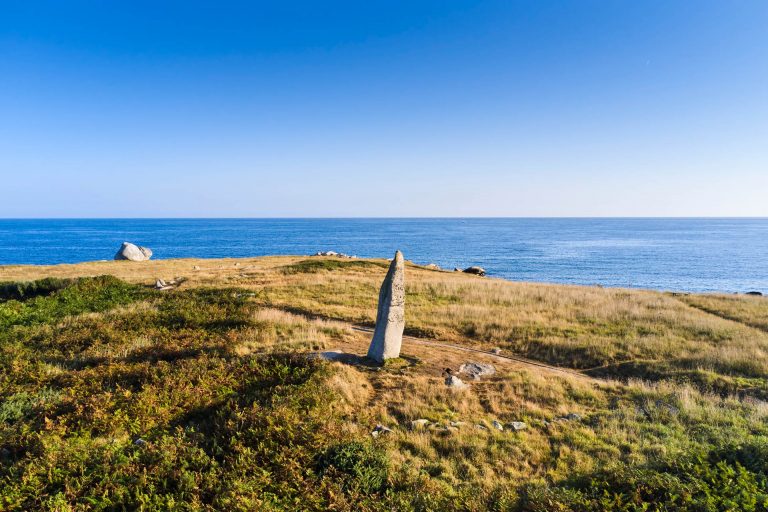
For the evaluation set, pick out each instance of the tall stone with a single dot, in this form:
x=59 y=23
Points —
x=390 y=318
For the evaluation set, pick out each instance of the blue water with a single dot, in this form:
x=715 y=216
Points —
x=669 y=254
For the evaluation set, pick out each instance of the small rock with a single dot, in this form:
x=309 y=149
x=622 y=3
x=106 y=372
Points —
x=480 y=426
x=496 y=351
x=456 y=269
x=517 y=426
x=380 y=430
x=754 y=293
x=572 y=416
x=195 y=267
x=497 y=425
x=140 y=442
x=455 y=382
x=477 y=370
x=432 y=266
x=419 y=424
x=478 y=271
x=457 y=424
x=160 y=284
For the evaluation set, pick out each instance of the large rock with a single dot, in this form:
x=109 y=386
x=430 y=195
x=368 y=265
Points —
x=390 y=318
x=132 y=252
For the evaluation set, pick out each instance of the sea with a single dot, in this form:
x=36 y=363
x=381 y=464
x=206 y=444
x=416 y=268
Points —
x=677 y=254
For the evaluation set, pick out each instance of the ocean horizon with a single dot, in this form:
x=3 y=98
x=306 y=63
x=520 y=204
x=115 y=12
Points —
x=679 y=254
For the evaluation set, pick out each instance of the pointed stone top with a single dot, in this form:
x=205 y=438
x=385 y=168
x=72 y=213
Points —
x=398 y=256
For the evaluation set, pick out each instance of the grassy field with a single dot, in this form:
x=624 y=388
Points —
x=115 y=396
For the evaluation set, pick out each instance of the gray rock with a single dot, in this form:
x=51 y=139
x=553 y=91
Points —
x=160 y=284
x=517 y=426
x=572 y=416
x=432 y=266
x=477 y=370
x=140 y=442
x=455 y=382
x=478 y=271
x=132 y=252
x=419 y=424
x=390 y=318
x=496 y=351
x=457 y=424
x=756 y=294
x=380 y=430
x=497 y=425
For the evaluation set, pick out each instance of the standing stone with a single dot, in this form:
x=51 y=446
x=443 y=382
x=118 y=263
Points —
x=390 y=318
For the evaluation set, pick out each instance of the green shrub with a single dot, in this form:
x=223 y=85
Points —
x=364 y=468
x=314 y=266
x=25 y=290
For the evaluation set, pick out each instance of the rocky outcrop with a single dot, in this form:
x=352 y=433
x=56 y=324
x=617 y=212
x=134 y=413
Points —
x=333 y=253
x=390 y=318
x=132 y=252
x=478 y=271
x=477 y=370
x=756 y=294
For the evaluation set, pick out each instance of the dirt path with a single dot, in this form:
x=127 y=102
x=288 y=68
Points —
x=508 y=358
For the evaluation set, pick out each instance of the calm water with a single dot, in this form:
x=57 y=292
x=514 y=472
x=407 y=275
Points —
x=669 y=254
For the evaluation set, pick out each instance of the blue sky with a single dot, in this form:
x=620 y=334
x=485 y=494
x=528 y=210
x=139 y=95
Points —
x=433 y=108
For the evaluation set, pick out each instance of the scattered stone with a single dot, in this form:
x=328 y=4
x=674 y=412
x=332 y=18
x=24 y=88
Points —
x=433 y=266
x=419 y=424
x=160 y=284
x=390 y=318
x=496 y=351
x=132 y=252
x=477 y=370
x=517 y=426
x=480 y=426
x=456 y=269
x=196 y=267
x=380 y=430
x=334 y=254
x=455 y=382
x=571 y=416
x=457 y=424
x=478 y=271
x=497 y=425
x=140 y=442
x=755 y=294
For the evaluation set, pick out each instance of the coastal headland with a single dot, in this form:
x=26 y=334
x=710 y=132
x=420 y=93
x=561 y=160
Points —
x=242 y=384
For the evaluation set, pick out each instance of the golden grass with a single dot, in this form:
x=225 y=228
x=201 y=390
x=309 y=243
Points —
x=573 y=326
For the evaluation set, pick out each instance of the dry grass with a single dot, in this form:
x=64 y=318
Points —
x=696 y=372
x=572 y=326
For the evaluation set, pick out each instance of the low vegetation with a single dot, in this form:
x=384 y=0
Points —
x=115 y=396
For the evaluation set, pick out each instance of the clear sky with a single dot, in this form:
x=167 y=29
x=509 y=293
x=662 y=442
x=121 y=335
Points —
x=383 y=108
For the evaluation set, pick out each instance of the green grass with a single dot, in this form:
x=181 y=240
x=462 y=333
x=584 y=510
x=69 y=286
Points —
x=114 y=396
x=328 y=265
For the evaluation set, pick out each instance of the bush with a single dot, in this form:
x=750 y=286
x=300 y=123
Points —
x=29 y=290
x=363 y=467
